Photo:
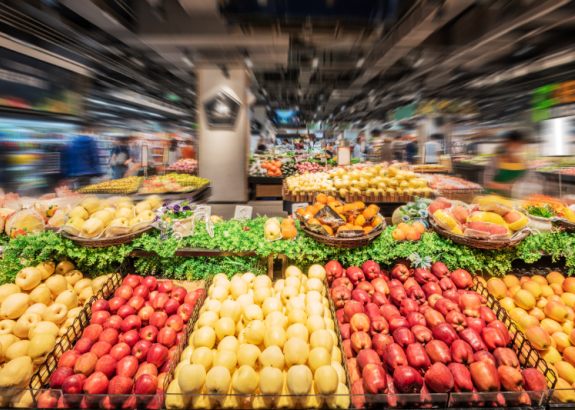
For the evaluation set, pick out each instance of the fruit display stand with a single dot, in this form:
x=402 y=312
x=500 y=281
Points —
x=105 y=242
x=265 y=187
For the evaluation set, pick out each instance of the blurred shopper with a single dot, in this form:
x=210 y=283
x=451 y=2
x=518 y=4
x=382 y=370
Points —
x=432 y=149
x=174 y=153
x=386 y=152
x=286 y=145
x=134 y=163
x=120 y=155
x=261 y=146
x=356 y=153
x=82 y=161
x=411 y=150
x=507 y=166
x=397 y=148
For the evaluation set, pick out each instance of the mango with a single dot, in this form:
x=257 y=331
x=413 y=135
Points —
x=508 y=304
x=551 y=326
x=568 y=285
x=555 y=277
x=526 y=321
x=556 y=311
x=562 y=341
x=497 y=288
x=563 y=392
x=565 y=371
x=551 y=355
x=524 y=299
x=511 y=280
x=569 y=299
x=534 y=288
x=538 y=337
x=569 y=355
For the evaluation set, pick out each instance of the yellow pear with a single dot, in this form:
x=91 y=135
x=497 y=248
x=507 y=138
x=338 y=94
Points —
x=299 y=380
x=78 y=212
x=271 y=381
x=296 y=352
x=248 y=355
x=246 y=380
x=93 y=227
x=272 y=357
x=218 y=380
x=202 y=356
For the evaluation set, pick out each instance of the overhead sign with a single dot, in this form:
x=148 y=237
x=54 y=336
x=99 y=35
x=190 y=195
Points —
x=428 y=107
x=553 y=101
x=222 y=110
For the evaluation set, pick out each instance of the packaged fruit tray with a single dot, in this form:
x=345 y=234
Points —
x=480 y=243
x=105 y=242
x=113 y=187
x=174 y=398
x=113 y=357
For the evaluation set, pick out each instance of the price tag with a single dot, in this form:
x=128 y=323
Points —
x=295 y=207
x=343 y=156
x=144 y=155
x=243 y=212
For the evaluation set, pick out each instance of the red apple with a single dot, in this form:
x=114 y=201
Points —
x=500 y=326
x=407 y=306
x=394 y=282
x=149 y=333
x=132 y=281
x=107 y=364
x=462 y=279
x=397 y=321
x=360 y=341
x=166 y=286
x=116 y=303
x=157 y=355
x=422 y=276
x=397 y=294
x=119 y=388
x=150 y=282
x=171 y=306
x=367 y=356
x=440 y=270
x=365 y=285
x=167 y=336
x=110 y=336
x=130 y=338
x=84 y=345
x=388 y=311
x=124 y=292
x=374 y=379
x=59 y=375
x=73 y=384
x=422 y=334
x=86 y=364
x=371 y=270
x=48 y=400
x=166 y=366
x=476 y=324
x=113 y=322
x=379 y=299
x=415 y=318
x=140 y=350
x=175 y=322
x=101 y=349
x=99 y=317
x=93 y=332
x=410 y=283
x=371 y=310
x=146 y=385
x=431 y=288
x=360 y=323
x=505 y=357
x=137 y=302
x=472 y=337
x=358 y=394
x=354 y=370
x=339 y=316
x=417 y=294
x=469 y=304
x=394 y=356
x=97 y=383
x=484 y=375
x=185 y=311
x=445 y=333
x=461 y=377
x=378 y=325
x=191 y=298
x=343 y=281
x=179 y=294
x=486 y=314
x=333 y=271
x=461 y=352
x=380 y=285
x=126 y=311
x=354 y=274
x=400 y=272
x=438 y=378
x=433 y=299
x=146 y=368
x=457 y=320
x=160 y=300
x=484 y=355
x=141 y=291
x=534 y=380
x=407 y=379
x=452 y=295
x=127 y=367
x=361 y=296
x=351 y=308
x=438 y=351
x=379 y=342
x=100 y=305
x=492 y=338
x=447 y=284
x=417 y=357
x=145 y=313
x=120 y=351
x=68 y=359
x=132 y=322
x=403 y=337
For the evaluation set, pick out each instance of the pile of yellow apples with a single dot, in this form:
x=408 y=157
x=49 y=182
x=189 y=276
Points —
x=542 y=308
x=93 y=215
x=378 y=180
x=35 y=312
x=273 y=341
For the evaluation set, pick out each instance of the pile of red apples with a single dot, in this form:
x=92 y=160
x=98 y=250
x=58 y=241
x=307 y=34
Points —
x=127 y=349
x=424 y=331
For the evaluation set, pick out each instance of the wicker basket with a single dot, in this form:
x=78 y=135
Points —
x=567 y=225
x=104 y=242
x=479 y=243
x=343 y=242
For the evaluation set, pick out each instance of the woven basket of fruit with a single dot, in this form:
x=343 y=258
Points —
x=481 y=243
x=104 y=242
x=336 y=242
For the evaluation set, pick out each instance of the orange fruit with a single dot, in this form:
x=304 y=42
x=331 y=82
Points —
x=288 y=222
x=359 y=221
x=330 y=199
x=307 y=215
x=318 y=205
x=351 y=219
x=376 y=221
x=349 y=207
x=311 y=209
x=337 y=203
x=328 y=229
x=300 y=211
x=313 y=221
x=289 y=232
x=367 y=229
x=321 y=198
x=343 y=228
x=368 y=213
x=351 y=226
x=373 y=206
x=338 y=209
x=359 y=205
x=403 y=227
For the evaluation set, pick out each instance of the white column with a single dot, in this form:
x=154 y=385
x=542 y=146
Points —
x=224 y=152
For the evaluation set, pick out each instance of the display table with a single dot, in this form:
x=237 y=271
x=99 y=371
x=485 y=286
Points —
x=265 y=187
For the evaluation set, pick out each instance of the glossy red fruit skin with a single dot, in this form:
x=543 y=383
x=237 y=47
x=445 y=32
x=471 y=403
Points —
x=446 y=333
x=407 y=379
x=374 y=379
x=403 y=337
x=500 y=326
x=333 y=271
x=371 y=270
x=492 y=338
x=484 y=376
x=438 y=351
x=440 y=270
x=354 y=274
x=394 y=357
x=462 y=382
x=367 y=356
x=417 y=357
x=400 y=272
x=438 y=378
x=462 y=353
x=422 y=334
x=473 y=338
x=340 y=295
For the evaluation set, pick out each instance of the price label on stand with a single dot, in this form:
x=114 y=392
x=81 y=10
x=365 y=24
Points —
x=243 y=212
x=295 y=207
x=343 y=156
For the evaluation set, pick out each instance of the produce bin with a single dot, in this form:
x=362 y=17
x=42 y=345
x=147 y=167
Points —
x=507 y=399
x=402 y=401
x=31 y=398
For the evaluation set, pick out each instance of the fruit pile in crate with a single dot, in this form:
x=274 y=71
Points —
x=128 y=347
x=424 y=331
x=542 y=308
x=274 y=342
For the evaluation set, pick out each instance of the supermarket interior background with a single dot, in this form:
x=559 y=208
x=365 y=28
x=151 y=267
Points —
x=287 y=204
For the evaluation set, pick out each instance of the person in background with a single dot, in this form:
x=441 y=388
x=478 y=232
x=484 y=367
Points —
x=507 y=165
x=261 y=146
x=411 y=150
x=286 y=145
x=82 y=161
x=120 y=155
x=357 y=149
x=397 y=148
x=134 y=163
x=432 y=150
x=174 y=153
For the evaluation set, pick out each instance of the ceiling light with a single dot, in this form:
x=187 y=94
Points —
x=342 y=108
x=187 y=61
x=315 y=116
x=418 y=62
x=523 y=50
x=315 y=62
x=319 y=107
x=264 y=91
x=297 y=107
x=268 y=107
x=360 y=62
x=248 y=61
x=97 y=101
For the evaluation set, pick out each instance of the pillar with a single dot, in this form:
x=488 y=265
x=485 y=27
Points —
x=224 y=147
